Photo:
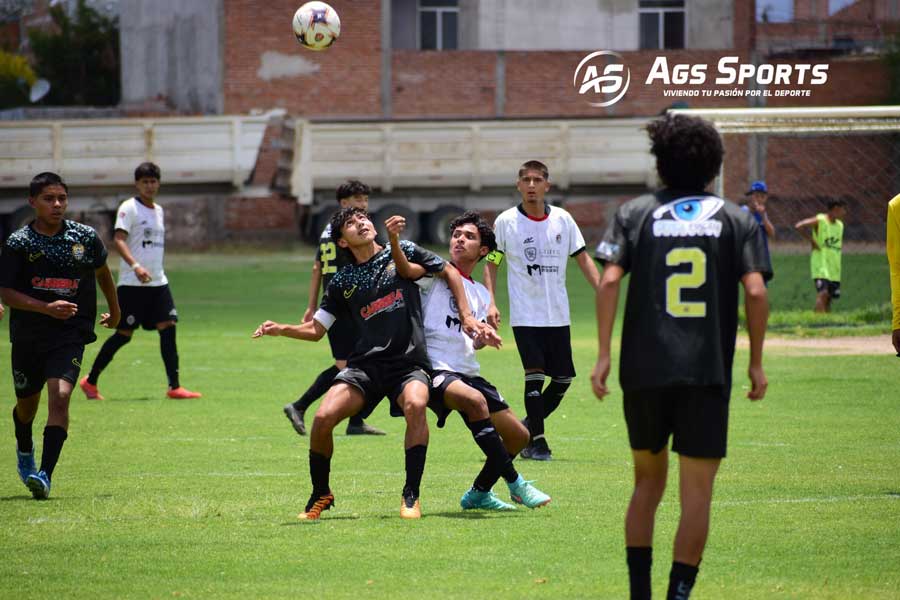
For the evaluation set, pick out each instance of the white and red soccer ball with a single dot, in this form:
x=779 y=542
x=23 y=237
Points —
x=316 y=25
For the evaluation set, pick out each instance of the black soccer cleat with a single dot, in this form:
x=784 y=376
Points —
x=296 y=418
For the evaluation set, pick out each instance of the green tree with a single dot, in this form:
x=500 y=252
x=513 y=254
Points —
x=79 y=56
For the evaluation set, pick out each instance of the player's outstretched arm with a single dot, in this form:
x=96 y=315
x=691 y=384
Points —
x=315 y=282
x=607 y=299
x=311 y=331
x=490 y=282
x=756 y=305
x=805 y=228
x=107 y=285
x=60 y=309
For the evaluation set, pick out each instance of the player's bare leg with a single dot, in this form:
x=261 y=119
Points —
x=650 y=473
x=341 y=401
x=512 y=431
x=413 y=400
x=823 y=302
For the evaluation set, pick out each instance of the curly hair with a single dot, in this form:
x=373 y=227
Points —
x=688 y=151
x=352 y=187
x=484 y=230
x=341 y=217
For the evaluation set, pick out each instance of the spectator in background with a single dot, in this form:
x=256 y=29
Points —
x=893 y=254
x=758 y=194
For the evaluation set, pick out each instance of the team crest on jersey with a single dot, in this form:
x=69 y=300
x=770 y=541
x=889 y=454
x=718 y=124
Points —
x=690 y=216
x=558 y=238
x=531 y=253
x=78 y=251
x=148 y=233
x=454 y=307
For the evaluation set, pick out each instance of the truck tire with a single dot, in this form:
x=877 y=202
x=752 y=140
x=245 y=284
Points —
x=413 y=229
x=437 y=225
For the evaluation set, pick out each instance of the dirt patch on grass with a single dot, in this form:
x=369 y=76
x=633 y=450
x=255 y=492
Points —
x=833 y=346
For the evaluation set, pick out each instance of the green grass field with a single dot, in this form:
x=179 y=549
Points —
x=156 y=498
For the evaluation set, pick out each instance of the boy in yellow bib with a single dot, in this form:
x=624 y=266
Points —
x=825 y=232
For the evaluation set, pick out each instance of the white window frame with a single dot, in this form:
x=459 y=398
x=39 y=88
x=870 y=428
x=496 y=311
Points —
x=439 y=12
x=660 y=12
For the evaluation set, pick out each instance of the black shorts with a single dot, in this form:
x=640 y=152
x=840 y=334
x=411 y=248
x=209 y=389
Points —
x=145 y=306
x=832 y=287
x=695 y=416
x=440 y=380
x=342 y=338
x=31 y=368
x=546 y=348
x=379 y=379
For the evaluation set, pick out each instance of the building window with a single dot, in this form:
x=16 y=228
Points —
x=438 y=24
x=662 y=24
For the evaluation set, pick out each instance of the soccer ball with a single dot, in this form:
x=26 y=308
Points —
x=316 y=25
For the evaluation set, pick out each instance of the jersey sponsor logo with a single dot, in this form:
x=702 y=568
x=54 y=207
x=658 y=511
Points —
x=58 y=285
x=350 y=292
x=389 y=303
x=19 y=380
x=78 y=251
x=541 y=269
x=688 y=217
x=34 y=256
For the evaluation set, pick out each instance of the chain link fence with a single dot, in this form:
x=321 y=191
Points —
x=808 y=156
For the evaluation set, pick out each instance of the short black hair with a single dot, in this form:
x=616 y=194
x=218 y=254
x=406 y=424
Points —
x=146 y=169
x=484 y=230
x=834 y=202
x=42 y=180
x=353 y=187
x=534 y=165
x=341 y=217
x=688 y=151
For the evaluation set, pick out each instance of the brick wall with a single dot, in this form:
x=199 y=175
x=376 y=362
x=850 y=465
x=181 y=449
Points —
x=244 y=216
x=443 y=84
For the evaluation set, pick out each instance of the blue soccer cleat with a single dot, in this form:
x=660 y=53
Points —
x=483 y=500
x=522 y=492
x=26 y=464
x=39 y=484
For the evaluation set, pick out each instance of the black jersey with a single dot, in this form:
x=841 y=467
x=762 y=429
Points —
x=333 y=257
x=47 y=268
x=385 y=307
x=686 y=254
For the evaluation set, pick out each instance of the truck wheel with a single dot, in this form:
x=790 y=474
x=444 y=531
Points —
x=437 y=224
x=413 y=229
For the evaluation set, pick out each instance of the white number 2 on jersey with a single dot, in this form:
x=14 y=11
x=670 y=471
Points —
x=693 y=279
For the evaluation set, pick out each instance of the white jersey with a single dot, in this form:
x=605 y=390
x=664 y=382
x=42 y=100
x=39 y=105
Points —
x=449 y=348
x=146 y=229
x=536 y=252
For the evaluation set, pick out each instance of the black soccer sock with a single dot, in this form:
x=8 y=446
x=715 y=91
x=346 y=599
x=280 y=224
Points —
x=681 y=581
x=356 y=421
x=498 y=458
x=318 y=388
x=105 y=356
x=169 y=352
x=319 y=471
x=554 y=392
x=54 y=438
x=24 y=441
x=640 y=558
x=415 y=467
x=534 y=403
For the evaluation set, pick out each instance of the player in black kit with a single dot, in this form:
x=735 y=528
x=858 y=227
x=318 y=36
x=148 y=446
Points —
x=48 y=271
x=330 y=258
x=389 y=358
x=686 y=251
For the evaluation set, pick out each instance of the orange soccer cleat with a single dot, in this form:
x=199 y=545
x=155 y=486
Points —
x=181 y=393
x=89 y=390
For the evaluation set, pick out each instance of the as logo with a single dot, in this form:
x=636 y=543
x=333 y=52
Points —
x=690 y=216
x=602 y=78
